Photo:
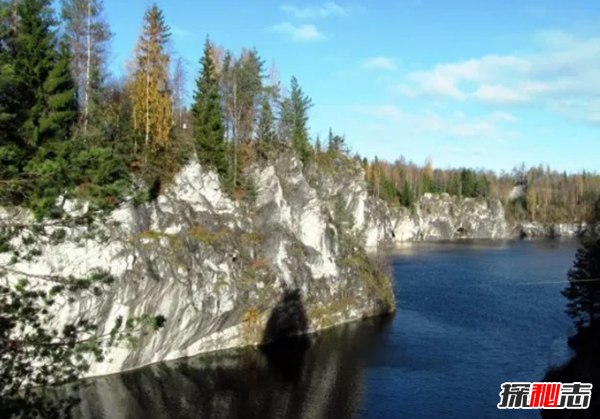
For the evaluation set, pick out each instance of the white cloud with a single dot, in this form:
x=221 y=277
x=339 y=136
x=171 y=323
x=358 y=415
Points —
x=581 y=110
x=298 y=33
x=560 y=67
x=459 y=125
x=315 y=12
x=558 y=39
x=436 y=84
x=475 y=129
x=180 y=32
x=380 y=63
x=484 y=69
x=502 y=117
x=594 y=118
x=498 y=94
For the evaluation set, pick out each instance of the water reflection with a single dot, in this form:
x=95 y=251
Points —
x=295 y=378
x=285 y=356
x=468 y=320
x=485 y=245
x=418 y=248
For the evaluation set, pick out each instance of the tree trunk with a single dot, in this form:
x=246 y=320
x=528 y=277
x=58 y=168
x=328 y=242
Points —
x=86 y=111
x=15 y=16
x=147 y=140
x=234 y=132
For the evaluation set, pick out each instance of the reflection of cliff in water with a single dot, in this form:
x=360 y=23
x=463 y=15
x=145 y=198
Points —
x=285 y=342
x=294 y=378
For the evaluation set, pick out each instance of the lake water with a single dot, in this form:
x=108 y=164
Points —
x=471 y=315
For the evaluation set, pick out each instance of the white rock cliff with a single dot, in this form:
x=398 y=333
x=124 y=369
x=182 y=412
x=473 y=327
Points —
x=219 y=270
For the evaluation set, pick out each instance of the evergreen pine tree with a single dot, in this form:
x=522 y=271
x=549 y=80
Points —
x=318 y=146
x=406 y=197
x=300 y=106
x=35 y=59
x=330 y=140
x=53 y=153
x=40 y=107
x=285 y=127
x=12 y=115
x=335 y=144
x=249 y=89
x=60 y=112
x=266 y=125
x=467 y=178
x=6 y=32
x=208 y=118
x=583 y=291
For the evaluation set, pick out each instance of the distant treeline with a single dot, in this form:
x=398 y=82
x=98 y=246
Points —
x=534 y=194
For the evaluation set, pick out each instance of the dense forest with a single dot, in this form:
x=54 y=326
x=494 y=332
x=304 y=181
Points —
x=70 y=128
x=528 y=194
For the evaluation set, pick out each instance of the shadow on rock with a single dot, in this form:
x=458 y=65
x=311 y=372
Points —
x=285 y=342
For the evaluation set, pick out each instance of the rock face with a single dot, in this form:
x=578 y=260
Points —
x=286 y=260
x=224 y=273
x=555 y=230
x=444 y=217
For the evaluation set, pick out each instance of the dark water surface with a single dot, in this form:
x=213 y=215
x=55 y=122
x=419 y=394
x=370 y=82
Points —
x=471 y=316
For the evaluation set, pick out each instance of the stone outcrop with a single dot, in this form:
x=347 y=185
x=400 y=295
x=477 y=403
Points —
x=286 y=259
x=224 y=273
x=444 y=217
x=533 y=230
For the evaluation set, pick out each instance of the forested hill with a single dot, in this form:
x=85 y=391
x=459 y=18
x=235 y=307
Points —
x=69 y=127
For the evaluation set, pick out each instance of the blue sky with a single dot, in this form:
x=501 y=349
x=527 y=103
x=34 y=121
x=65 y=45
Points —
x=468 y=83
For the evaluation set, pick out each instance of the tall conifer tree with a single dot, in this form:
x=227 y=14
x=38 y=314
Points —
x=35 y=58
x=12 y=113
x=583 y=290
x=60 y=112
x=266 y=125
x=300 y=106
x=208 y=117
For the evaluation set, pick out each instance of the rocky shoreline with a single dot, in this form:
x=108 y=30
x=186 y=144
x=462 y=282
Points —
x=230 y=273
x=443 y=217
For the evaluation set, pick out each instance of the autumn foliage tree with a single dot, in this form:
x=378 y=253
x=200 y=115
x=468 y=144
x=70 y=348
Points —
x=152 y=101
